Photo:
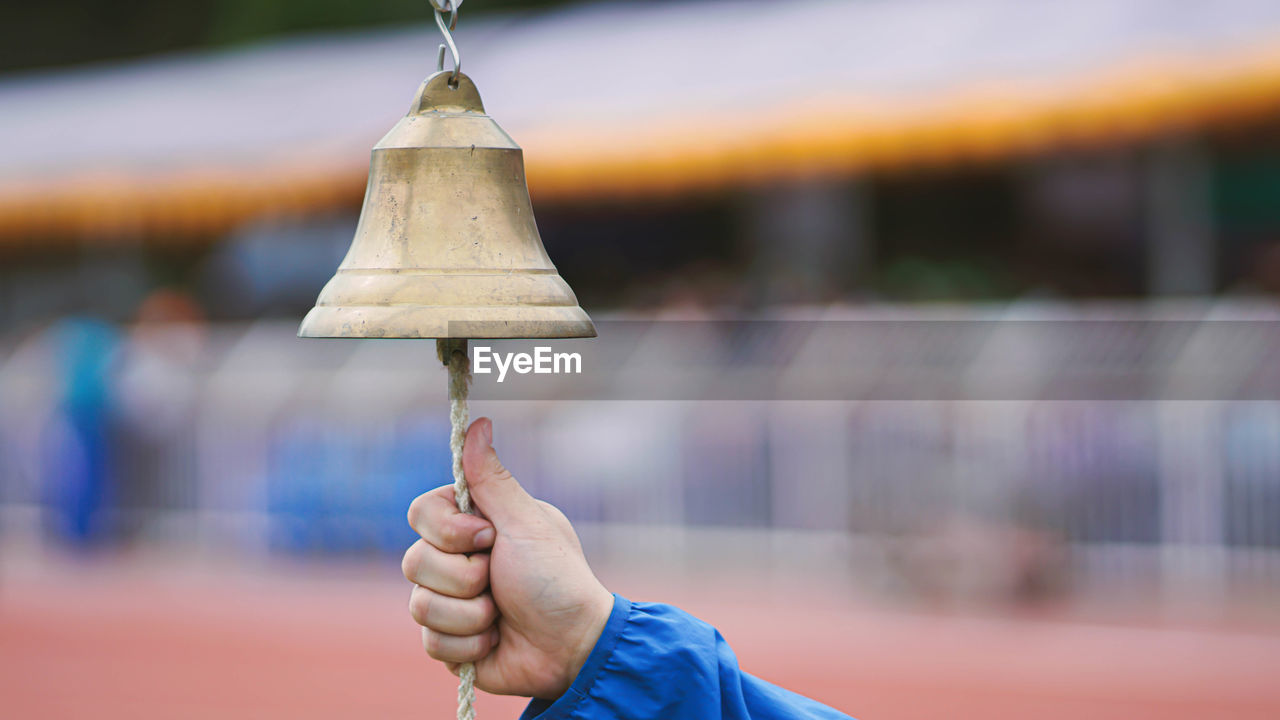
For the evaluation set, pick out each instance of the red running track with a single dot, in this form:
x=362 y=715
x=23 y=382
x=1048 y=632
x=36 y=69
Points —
x=114 y=639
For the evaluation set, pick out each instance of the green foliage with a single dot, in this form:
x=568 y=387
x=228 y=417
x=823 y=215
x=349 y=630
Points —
x=67 y=32
x=238 y=20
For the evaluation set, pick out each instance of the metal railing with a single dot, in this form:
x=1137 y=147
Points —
x=244 y=437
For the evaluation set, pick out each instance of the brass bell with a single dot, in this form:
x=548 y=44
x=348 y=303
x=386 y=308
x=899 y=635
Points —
x=446 y=245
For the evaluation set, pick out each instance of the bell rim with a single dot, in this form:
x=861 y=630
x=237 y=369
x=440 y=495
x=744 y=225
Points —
x=423 y=322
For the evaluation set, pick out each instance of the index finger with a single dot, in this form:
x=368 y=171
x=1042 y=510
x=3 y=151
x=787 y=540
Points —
x=435 y=516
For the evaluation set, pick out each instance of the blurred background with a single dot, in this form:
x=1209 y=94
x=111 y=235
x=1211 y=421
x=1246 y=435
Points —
x=202 y=516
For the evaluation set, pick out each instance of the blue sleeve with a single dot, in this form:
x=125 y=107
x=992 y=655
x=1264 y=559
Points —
x=656 y=661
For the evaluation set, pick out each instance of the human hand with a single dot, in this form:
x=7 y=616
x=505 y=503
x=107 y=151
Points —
x=528 y=611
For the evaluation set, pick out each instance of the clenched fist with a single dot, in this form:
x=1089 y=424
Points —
x=508 y=589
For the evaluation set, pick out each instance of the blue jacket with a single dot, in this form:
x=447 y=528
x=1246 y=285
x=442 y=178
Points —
x=656 y=662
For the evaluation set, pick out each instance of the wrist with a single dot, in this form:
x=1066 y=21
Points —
x=595 y=616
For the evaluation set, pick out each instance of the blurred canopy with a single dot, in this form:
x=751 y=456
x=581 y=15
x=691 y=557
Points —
x=717 y=94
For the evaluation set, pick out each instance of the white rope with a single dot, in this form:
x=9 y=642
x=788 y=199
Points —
x=459 y=385
x=459 y=382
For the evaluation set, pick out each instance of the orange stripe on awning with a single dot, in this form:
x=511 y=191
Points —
x=827 y=136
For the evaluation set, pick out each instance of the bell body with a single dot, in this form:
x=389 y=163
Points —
x=446 y=245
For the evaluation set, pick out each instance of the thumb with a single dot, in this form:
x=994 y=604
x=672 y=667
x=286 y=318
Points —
x=493 y=488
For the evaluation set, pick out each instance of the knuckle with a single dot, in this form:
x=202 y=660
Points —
x=417 y=510
x=492 y=470
x=476 y=579
x=499 y=473
x=409 y=563
x=420 y=605
x=488 y=610
x=431 y=642
x=554 y=512
x=482 y=574
x=449 y=535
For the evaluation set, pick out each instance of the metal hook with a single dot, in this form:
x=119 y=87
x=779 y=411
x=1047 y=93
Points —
x=450 y=6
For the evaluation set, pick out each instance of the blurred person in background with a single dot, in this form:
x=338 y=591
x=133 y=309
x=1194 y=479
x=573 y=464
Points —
x=76 y=444
x=510 y=590
x=158 y=385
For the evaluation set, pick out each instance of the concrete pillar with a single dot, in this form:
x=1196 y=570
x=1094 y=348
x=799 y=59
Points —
x=1192 y=487
x=808 y=241
x=1178 y=210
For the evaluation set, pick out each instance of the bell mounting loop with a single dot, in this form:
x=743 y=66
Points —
x=442 y=93
x=441 y=7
